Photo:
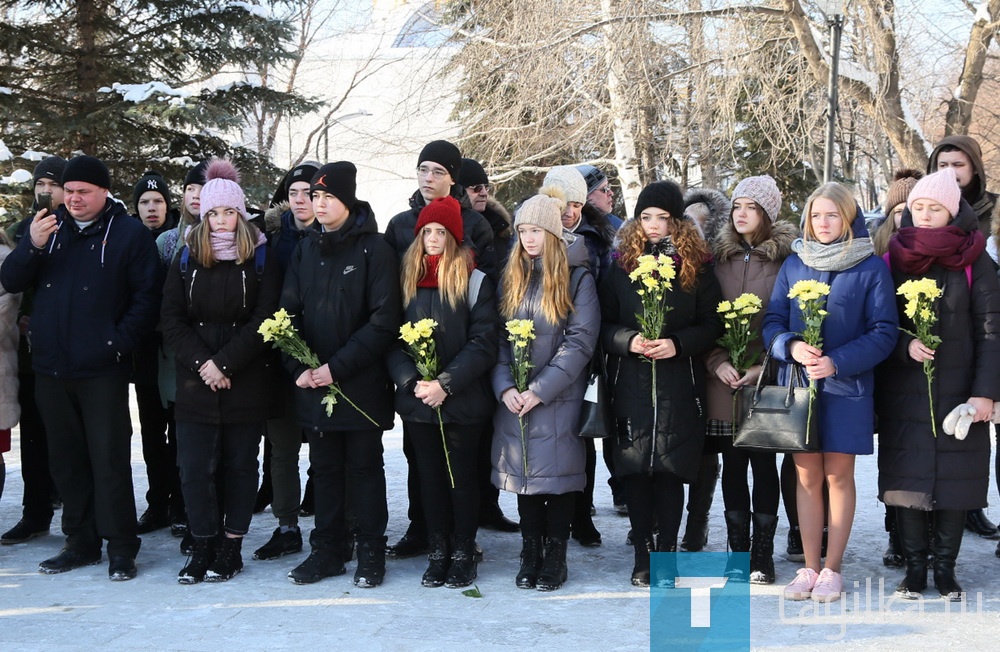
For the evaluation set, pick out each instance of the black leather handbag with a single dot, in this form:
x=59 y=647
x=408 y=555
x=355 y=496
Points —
x=776 y=417
x=596 y=419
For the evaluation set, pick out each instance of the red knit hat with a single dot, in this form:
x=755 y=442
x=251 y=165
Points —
x=447 y=212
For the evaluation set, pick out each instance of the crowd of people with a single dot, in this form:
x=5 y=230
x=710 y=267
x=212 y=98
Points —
x=482 y=332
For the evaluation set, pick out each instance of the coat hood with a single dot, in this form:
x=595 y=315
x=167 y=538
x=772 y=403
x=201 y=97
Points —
x=728 y=242
x=360 y=222
x=970 y=148
x=273 y=216
x=718 y=209
x=498 y=217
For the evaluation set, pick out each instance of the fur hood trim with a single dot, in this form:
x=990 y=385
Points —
x=718 y=208
x=728 y=242
x=272 y=216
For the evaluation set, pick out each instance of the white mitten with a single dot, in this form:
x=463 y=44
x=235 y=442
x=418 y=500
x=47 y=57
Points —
x=996 y=412
x=958 y=421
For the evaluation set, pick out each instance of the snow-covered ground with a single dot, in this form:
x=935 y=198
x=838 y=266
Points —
x=597 y=609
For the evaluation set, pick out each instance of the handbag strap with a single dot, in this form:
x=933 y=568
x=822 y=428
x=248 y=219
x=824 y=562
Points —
x=793 y=377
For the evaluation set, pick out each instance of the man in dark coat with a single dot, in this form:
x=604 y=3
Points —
x=95 y=272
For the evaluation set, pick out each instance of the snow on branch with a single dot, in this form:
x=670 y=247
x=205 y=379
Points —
x=137 y=93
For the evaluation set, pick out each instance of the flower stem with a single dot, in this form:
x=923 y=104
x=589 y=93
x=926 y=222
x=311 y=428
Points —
x=929 y=373
x=524 y=449
x=444 y=444
x=809 y=414
x=341 y=394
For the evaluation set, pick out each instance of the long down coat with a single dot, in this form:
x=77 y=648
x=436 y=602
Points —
x=560 y=353
x=675 y=444
x=916 y=469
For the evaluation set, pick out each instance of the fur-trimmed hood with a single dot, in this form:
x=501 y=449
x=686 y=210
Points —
x=272 y=216
x=718 y=209
x=498 y=217
x=728 y=242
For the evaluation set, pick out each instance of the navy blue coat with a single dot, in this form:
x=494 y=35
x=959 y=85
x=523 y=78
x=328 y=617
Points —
x=859 y=332
x=97 y=293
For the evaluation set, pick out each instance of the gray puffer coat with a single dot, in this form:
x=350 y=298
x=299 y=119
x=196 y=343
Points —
x=560 y=353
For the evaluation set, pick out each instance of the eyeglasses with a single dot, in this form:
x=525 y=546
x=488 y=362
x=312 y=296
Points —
x=606 y=190
x=479 y=187
x=437 y=173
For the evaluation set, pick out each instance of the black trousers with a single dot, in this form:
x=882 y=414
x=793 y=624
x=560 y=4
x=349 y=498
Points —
x=547 y=515
x=415 y=503
x=37 y=499
x=449 y=511
x=202 y=448
x=489 y=495
x=736 y=487
x=87 y=422
x=659 y=494
x=159 y=451
x=354 y=458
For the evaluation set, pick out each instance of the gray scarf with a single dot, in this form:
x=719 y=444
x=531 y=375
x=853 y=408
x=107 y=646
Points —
x=833 y=257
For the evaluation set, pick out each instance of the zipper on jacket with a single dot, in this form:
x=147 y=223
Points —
x=243 y=278
x=656 y=415
x=697 y=399
x=194 y=273
x=746 y=267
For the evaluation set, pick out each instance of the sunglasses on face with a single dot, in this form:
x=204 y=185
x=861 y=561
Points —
x=479 y=187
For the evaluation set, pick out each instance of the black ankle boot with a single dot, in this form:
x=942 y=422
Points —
x=554 y=573
x=893 y=555
x=640 y=572
x=463 y=564
x=531 y=562
x=438 y=559
x=762 y=549
x=202 y=555
x=665 y=573
x=911 y=525
x=948 y=524
x=738 y=536
x=228 y=560
x=699 y=504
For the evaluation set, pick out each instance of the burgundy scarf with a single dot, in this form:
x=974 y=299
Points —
x=430 y=279
x=913 y=250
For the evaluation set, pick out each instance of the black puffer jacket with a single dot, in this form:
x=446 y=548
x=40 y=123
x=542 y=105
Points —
x=213 y=313
x=343 y=289
x=477 y=231
x=466 y=342
x=694 y=325
x=916 y=469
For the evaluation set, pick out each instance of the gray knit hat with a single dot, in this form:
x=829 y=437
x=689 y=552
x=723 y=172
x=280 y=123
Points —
x=764 y=191
x=568 y=179
x=544 y=211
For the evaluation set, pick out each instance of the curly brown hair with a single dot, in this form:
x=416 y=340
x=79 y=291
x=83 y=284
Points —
x=691 y=247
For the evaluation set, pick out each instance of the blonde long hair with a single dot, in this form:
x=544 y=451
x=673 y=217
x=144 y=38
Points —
x=556 y=299
x=453 y=270
x=842 y=198
x=691 y=247
x=199 y=241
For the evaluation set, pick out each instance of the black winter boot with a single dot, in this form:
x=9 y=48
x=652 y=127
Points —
x=911 y=525
x=321 y=563
x=531 y=562
x=202 y=556
x=738 y=535
x=700 y=503
x=371 y=564
x=640 y=572
x=228 y=560
x=463 y=563
x=948 y=524
x=437 y=561
x=554 y=573
x=762 y=549
x=976 y=521
x=893 y=555
x=666 y=571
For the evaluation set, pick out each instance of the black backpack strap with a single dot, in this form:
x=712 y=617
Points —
x=185 y=257
x=259 y=257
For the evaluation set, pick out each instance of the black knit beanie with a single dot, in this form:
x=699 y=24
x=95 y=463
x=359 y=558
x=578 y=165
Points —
x=50 y=167
x=340 y=179
x=87 y=169
x=472 y=173
x=302 y=172
x=151 y=181
x=444 y=154
x=665 y=195
x=196 y=175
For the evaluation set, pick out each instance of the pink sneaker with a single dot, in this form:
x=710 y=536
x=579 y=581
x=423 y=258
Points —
x=802 y=586
x=828 y=586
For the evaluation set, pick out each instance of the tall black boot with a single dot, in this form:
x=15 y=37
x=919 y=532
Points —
x=700 y=496
x=640 y=572
x=893 y=555
x=762 y=549
x=531 y=562
x=913 y=539
x=738 y=529
x=976 y=521
x=665 y=576
x=554 y=573
x=948 y=525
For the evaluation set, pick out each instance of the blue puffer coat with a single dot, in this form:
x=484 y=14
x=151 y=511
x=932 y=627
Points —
x=859 y=332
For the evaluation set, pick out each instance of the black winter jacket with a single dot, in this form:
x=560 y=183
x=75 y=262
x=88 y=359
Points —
x=343 y=289
x=694 y=325
x=97 y=291
x=213 y=314
x=466 y=341
x=916 y=469
x=478 y=233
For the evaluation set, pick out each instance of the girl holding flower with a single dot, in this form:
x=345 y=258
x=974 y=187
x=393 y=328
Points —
x=858 y=331
x=219 y=290
x=545 y=281
x=749 y=250
x=440 y=283
x=928 y=477
x=660 y=385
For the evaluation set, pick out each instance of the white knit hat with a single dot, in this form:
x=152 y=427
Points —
x=568 y=179
x=763 y=191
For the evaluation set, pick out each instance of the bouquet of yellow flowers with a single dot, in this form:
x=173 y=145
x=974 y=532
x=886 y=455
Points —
x=811 y=296
x=654 y=274
x=419 y=339
x=520 y=332
x=736 y=316
x=282 y=335
x=920 y=295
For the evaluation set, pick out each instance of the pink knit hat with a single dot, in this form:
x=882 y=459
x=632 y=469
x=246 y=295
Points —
x=222 y=188
x=941 y=186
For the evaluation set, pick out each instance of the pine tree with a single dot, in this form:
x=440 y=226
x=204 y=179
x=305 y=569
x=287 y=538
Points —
x=138 y=83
